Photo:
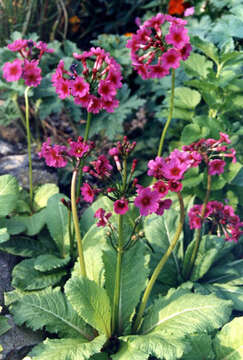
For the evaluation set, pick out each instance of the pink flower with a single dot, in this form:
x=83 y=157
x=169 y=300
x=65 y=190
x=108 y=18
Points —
x=17 y=45
x=189 y=11
x=106 y=89
x=171 y=59
x=216 y=167
x=63 y=88
x=158 y=71
x=79 y=87
x=224 y=138
x=174 y=169
x=44 y=48
x=121 y=206
x=102 y=167
x=174 y=186
x=87 y=192
x=102 y=216
x=78 y=148
x=147 y=201
x=177 y=36
x=12 y=71
x=185 y=51
x=156 y=167
x=163 y=205
x=161 y=187
x=31 y=73
x=94 y=104
x=53 y=155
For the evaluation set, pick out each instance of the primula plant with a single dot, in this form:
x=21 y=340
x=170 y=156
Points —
x=143 y=270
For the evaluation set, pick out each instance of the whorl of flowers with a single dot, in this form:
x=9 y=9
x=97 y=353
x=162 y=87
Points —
x=213 y=152
x=159 y=45
x=92 y=81
x=58 y=155
x=26 y=67
x=220 y=218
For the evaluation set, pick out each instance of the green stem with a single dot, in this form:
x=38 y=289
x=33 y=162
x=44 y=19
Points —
x=86 y=135
x=170 y=113
x=116 y=299
x=27 y=124
x=159 y=267
x=70 y=234
x=76 y=221
x=199 y=231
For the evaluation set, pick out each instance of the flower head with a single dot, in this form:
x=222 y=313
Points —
x=121 y=206
x=88 y=193
x=53 y=155
x=102 y=216
x=147 y=201
x=12 y=71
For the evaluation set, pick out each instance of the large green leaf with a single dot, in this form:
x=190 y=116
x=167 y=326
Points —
x=4 y=325
x=134 y=276
x=186 y=98
x=25 y=277
x=198 y=65
x=207 y=48
x=181 y=313
x=67 y=349
x=91 y=302
x=13 y=225
x=33 y=223
x=9 y=192
x=49 y=262
x=128 y=352
x=42 y=194
x=159 y=231
x=4 y=235
x=228 y=344
x=50 y=309
x=57 y=222
x=200 y=348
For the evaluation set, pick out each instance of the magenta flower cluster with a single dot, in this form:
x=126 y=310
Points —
x=58 y=155
x=26 y=67
x=221 y=219
x=155 y=50
x=95 y=88
x=213 y=152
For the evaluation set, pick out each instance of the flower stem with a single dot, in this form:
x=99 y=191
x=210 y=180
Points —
x=70 y=234
x=159 y=267
x=76 y=221
x=86 y=135
x=27 y=124
x=170 y=113
x=199 y=231
x=116 y=299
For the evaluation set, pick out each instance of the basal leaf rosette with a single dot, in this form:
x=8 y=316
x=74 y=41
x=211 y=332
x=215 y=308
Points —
x=93 y=80
x=159 y=45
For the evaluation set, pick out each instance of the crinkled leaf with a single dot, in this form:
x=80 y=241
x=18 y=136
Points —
x=91 y=302
x=197 y=65
x=57 y=222
x=228 y=343
x=4 y=325
x=67 y=349
x=190 y=133
x=4 y=235
x=13 y=225
x=49 y=262
x=25 y=277
x=200 y=347
x=207 y=48
x=50 y=309
x=9 y=193
x=228 y=291
x=181 y=313
x=42 y=194
x=127 y=351
x=133 y=280
x=186 y=98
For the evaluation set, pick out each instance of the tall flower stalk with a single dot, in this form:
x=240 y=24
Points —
x=159 y=267
x=27 y=124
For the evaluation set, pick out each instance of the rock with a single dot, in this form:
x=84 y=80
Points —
x=18 y=341
x=12 y=134
x=6 y=148
x=17 y=165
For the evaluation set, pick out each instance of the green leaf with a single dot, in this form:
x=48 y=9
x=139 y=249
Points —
x=13 y=225
x=192 y=178
x=228 y=343
x=9 y=193
x=232 y=171
x=228 y=291
x=4 y=235
x=238 y=180
x=186 y=98
x=133 y=280
x=209 y=250
x=4 y=325
x=67 y=349
x=181 y=313
x=159 y=231
x=206 y=47
x=201 y=348
x=128 y=352
x=49 y=262
x=33 y=223
x=91 y=302
x=190 y=133
x=25 y=277
x=42 y=194
x=197 y=65
x=57 y=222
x=50 y=309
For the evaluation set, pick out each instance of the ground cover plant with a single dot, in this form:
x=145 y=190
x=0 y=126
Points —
x=151 y=267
